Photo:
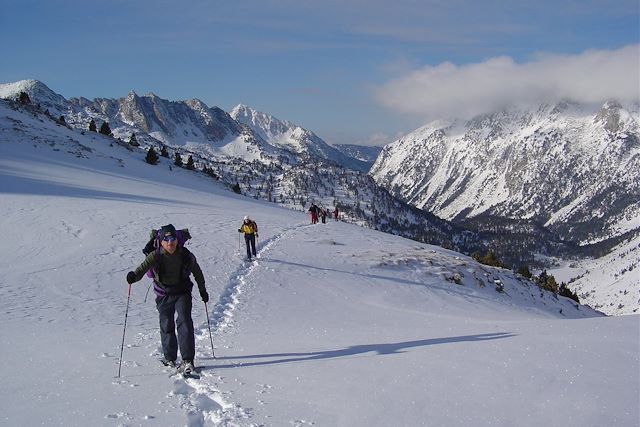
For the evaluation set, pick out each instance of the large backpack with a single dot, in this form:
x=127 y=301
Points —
x=252 y=224
x=154 y=245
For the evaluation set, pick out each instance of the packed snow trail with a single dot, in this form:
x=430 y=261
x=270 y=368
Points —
x=200 y=398
x=223 y=311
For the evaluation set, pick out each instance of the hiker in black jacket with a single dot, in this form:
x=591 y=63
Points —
x=173 y=265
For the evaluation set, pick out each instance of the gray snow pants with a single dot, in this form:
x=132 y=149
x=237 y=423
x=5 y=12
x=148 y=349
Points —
x=168 y=306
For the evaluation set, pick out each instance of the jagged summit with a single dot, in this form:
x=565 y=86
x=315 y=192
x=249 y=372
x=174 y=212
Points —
x=290 y=136
x=265 y=124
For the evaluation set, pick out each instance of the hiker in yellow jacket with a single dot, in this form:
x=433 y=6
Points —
x=250 y=230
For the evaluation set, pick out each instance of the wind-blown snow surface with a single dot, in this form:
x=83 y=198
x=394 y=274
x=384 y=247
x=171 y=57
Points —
x=332 y=325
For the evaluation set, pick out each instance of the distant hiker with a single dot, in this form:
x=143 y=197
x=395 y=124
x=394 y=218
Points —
x=323 y=215
x=335 y=213
x=173 y=264
x=313 y=210
x=250 y=230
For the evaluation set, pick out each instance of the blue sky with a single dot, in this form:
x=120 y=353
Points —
x=351 y=71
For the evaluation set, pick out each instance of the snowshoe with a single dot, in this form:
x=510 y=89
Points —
x=188 y=370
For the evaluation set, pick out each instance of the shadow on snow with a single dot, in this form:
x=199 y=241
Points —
x=378 y=349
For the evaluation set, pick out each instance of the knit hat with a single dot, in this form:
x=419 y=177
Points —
x=167 y=230
x=246 y=217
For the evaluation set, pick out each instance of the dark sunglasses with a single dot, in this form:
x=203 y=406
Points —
x=169 y=238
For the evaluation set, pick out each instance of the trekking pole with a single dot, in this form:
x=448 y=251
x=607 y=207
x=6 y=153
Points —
x=206 y=310
x=126 y=314
x=239 y=248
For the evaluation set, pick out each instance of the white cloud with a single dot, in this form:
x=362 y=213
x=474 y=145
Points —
x=449 y=90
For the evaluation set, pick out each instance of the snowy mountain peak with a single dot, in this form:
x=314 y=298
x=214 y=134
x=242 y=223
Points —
x=614 y=118
x=195 y=103
x=38 y=93
x=554 y=168
x=269 y=127
x=292 y=137
x=8 y=90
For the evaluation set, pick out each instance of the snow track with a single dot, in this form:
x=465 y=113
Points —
x=224 y=310
x=201 y=400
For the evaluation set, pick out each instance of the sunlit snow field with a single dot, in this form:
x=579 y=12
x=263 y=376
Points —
x=332 y=324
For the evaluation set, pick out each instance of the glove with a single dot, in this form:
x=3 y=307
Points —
x=131 y=277
x=205 y=296
x=256 y=234
x=239 y=230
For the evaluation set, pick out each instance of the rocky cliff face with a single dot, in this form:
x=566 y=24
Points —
x=171 y=122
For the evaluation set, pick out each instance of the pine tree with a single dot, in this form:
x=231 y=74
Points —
x=23 y=98
x=178 y=160
x=566 y=292
x=105 y=129
x=551 y=284
x=164 y=152
x=524 y=271
x=190 y=165
x=92 y=126
x=491 y=259
x=62 y=121
x=133 y=140
x=152 y=157
x=541 y=280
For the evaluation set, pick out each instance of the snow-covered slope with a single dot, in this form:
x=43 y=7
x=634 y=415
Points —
x=333 y=324
x=609 y=283
x=290 y=136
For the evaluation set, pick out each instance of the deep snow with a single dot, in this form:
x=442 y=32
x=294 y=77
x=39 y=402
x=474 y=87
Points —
x=333 y=324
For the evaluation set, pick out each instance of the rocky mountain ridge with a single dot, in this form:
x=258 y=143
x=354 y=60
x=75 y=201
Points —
x=287 y=135
x=264 y=158
x=572 y=170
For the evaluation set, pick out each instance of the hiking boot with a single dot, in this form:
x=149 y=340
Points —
x=169 y=363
